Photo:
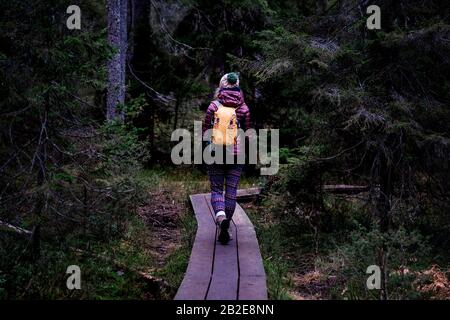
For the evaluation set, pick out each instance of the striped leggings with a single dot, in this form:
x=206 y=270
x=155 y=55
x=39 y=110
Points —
x=230 y=174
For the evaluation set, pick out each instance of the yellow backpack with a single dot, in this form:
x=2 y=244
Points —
x=224 y=126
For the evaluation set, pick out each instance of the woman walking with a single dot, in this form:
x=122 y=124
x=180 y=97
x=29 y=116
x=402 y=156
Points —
x=225 y=115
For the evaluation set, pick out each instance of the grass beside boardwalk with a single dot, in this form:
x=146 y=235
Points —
x=177 y=261
x=305 y=260
x=273 y=250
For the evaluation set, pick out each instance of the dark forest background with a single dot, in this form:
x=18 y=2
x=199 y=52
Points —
x=86 y=117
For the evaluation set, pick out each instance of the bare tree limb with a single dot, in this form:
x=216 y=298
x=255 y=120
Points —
x=16 y=229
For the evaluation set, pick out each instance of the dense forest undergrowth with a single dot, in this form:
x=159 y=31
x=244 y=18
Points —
x=86 y=118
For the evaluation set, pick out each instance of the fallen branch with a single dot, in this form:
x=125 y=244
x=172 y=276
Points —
x=15 y=229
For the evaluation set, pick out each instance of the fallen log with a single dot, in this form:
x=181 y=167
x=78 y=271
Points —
x=344 y=188
x=248 y=194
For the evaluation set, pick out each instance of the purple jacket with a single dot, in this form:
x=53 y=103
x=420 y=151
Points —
x=230 y=98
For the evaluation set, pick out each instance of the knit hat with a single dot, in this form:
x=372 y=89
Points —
x=229 y=80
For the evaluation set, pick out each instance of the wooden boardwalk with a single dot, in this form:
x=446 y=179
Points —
x=223 y=272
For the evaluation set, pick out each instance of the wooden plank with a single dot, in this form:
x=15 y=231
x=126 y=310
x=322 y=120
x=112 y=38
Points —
x=252 y=277
x=242 y=194
x=252 y=288
x=248 y=194
x=198 y=274
x=223 y=272
x=225 y=276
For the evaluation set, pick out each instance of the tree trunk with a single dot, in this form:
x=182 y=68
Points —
x=117 y=39
x=123 y=45
x=384 y=198
x=41 y=159
x=321 y=6
x=140 y=37
x=177 y=108
x=383 y=211
x=152 y=129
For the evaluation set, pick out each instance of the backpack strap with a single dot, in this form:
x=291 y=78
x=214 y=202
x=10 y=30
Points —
x=217 y=103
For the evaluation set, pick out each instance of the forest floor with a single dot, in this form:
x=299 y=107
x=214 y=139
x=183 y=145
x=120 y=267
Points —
x=162 y=215
x=148 y=260
x=291 y=259
x=291 y=275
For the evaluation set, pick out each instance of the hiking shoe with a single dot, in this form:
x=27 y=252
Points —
x=224 y=235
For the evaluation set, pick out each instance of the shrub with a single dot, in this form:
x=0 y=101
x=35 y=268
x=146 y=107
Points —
x=405 y=250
